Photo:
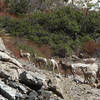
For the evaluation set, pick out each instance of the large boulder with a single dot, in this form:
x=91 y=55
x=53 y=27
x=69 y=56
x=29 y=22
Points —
x=9 y=70
x=7 y=91
x=22 y=88
x=28 y=78
x=5 y=57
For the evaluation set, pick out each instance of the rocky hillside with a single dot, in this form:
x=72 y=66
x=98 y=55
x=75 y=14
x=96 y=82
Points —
x=20 y=80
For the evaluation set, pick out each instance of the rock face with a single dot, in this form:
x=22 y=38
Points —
x=30 y=83
x=7 y=58
x=7 y=91
x=29 y=79
x=2 y=46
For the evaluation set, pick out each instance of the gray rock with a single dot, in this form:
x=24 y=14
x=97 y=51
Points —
x=2 y=46
x=9 y=70
x=7 y=91
x=33 y=95
x=3 y=98
x=4 y=74
x=5 y=57
x=27 y=66
x=30 y=80
x=18 y=86
x=45 y=95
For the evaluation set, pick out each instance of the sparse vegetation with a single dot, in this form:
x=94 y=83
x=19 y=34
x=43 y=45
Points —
x=21 y=45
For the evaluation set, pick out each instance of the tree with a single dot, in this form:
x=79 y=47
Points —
x=18 y=6
x=88 y=6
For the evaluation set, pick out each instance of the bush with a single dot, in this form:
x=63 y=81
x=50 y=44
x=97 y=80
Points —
x=90 y=47
x=62 y=50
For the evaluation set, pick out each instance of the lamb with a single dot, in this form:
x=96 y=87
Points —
x=66 y=67
x=54 y=63
x=25 y=54
x=39 y=60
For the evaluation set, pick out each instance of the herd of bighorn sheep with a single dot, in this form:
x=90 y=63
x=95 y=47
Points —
x=89 y=67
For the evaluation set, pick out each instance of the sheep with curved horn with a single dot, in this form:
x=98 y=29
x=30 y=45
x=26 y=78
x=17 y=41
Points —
x=25 y=54
x=39 y=60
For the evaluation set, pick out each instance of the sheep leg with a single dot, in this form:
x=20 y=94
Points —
x=46 y=64
x=94 y=76
x=85 y=78
x=38 y=64
x=58 y=69
x=90 y=76
x=65 y=73
x=73 y=72
x=29 y=59
x=89 y=79
x=53 y=69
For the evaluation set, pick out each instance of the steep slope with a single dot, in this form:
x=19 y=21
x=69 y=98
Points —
x=31 y=83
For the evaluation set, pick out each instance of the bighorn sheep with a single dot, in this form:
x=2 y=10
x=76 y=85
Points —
x=25 y=54
x=39 y=60
x=54 y=63
x=88 y=75
x=66 y=67
x=89 y=70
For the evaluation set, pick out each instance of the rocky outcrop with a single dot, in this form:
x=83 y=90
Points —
x=2 y=46
x=20 y=80
x=17 y=82
x=9 y=70
x=7 y=58
x=30 y=80
x=7 y=91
